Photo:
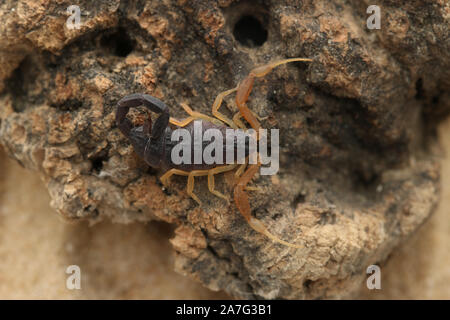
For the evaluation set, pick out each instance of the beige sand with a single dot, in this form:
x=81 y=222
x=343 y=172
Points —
x=116 y=261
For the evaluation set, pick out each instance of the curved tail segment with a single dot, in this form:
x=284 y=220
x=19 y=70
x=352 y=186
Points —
x=243 y=205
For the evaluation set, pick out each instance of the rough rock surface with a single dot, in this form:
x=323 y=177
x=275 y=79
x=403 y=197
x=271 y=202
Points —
x=357 y=167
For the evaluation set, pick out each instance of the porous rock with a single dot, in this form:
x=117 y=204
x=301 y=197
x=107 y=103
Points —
x=358 y=166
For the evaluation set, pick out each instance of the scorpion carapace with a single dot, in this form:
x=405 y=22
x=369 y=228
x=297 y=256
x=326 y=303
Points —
x=153 y=142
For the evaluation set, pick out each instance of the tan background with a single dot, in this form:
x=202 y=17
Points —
x=135 y=261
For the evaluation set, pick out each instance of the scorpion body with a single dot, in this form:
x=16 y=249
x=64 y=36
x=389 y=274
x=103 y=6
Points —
x=153 y=142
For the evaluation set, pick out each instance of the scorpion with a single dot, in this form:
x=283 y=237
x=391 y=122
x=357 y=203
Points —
x=152 y=142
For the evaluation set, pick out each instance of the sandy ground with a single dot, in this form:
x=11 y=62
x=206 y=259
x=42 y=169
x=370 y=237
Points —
x=135 y=261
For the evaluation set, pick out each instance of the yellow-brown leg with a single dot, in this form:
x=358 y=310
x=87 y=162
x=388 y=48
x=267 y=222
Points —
x=241 y=169
x=197 y=173
x=243 y=205
x=237 y=120
x=166 y=176
x=190 y=183
x=211 y=183
x=181 y=123
x=258 y=116
x=193 y=115
x=199 y=115
x=217 y=104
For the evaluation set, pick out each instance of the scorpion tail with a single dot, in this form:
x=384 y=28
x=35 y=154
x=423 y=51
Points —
x=258 y=226
x=243 y=205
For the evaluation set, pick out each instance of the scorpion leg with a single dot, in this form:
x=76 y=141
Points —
x=190 y=183
x=166 y=176
x=243 y=205
x=197 y=173
x=237 y=120
x=217 y=104
x=241 y=169
x=181 y=123
x=193 y=115
x=245 y=87
x=211 y=183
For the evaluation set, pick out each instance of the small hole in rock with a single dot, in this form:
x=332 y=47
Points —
x=435 y=100
x=300 y=198
x=68 y=105
x=249 y=32
x=118 y=43
x=419 y=89
x=97 y=164
x=307 y=284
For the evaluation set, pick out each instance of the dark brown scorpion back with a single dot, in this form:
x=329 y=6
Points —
x=154 y=143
